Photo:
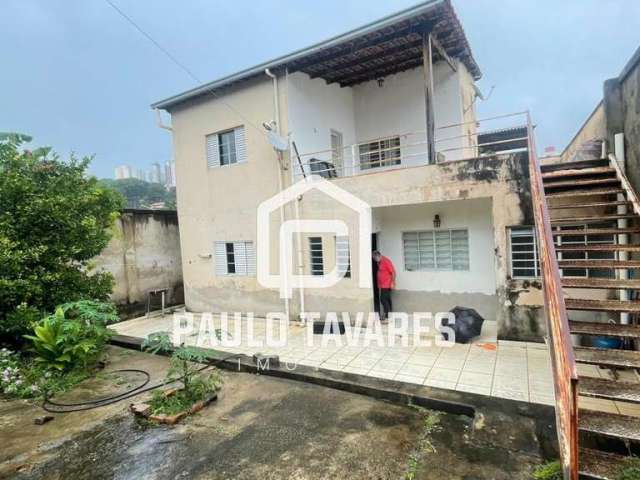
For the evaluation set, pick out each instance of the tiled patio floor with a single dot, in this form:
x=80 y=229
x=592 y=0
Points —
x=513 y=370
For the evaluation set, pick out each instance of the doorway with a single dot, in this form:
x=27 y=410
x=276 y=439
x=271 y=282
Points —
x=374 y=273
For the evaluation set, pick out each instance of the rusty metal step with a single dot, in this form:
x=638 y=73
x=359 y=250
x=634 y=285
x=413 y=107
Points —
x=585 y=192
x=609 y=389
x=611 y=425
x=598 y=218
x=600 y=283
x=598 y=465
x=612 y=264
x=602 y=305
x=553 y=167
x=607 y=357
x=606 y=329
x=599 y=248
x=597 y=231
x=579 y=172
x=566 y=206
x=581 y=183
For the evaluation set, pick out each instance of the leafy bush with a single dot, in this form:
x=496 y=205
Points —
x=548 y=471
x=24 y=379
x=72 y=337
x=631 y=471
x=96 y=313
x=19 y=321
x=54 y=218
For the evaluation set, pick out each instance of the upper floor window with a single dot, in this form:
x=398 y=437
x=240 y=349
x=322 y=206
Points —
x=226 y=148
x=316 y=256
x=380 y=153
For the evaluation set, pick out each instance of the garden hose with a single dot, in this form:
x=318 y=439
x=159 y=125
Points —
x=47 y=404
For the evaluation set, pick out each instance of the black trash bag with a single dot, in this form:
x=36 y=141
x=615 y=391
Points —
x=467 y=326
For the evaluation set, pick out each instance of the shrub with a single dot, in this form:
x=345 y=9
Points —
x=548 y=471
x=54 y=218
x=72 y=337
x=631 y=471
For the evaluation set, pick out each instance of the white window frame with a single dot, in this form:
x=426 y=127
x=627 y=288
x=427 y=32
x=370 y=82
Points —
x=343 y=255
x=435 y=254
x=213 y=146
x=244 y=259
x=527 y=231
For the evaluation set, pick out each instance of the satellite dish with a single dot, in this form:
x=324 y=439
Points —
x=279 y=143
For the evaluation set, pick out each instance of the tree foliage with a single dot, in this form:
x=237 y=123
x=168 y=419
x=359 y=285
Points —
x=54 y=219
x=141 y=194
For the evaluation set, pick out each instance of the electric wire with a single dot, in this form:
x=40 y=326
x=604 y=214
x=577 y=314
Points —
x=181 y=65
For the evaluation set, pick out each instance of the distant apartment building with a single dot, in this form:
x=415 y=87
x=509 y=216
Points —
x=170 y=175
x=122 y=172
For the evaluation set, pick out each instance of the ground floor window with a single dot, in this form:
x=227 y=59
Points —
x=436 y=250
x=525 y=262
x=235 y=258
x=343 y=258
x=316 y=256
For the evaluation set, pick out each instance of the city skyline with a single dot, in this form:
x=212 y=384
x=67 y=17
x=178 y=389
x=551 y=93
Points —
x=155 y=173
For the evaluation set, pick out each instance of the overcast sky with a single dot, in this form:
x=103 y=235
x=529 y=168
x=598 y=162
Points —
x=77 y=77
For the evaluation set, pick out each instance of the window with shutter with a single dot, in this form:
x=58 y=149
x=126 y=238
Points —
x=226 y=148
x=235 y=258
x=436 y=250
x=343 y=258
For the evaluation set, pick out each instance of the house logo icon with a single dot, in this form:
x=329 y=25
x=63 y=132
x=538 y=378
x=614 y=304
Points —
x=286 y=280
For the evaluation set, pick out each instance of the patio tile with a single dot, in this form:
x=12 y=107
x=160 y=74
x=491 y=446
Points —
x=409 y=378
x=474 y=389
x=418 y=359
x=444 y=375
x=415 y=370
x=510 y=395
x=543 y=399
x=430 y=382
x=476 y=379
x=388 y=366
x=382 y=374
x=357 y=371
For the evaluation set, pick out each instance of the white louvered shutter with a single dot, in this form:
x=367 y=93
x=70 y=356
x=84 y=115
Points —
x=220 y=258
x=213 y=152
x=241 y=145
x=240 y=254
x=251 y=259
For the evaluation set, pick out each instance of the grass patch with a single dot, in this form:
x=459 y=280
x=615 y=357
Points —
x=430 y=425
x=182 y=400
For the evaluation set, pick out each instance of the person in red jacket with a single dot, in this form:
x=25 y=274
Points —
x=386 y=282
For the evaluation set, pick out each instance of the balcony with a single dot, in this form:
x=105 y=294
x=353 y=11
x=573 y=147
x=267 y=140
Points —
x=453 y=142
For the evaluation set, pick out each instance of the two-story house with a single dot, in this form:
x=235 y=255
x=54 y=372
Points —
x=387 y=113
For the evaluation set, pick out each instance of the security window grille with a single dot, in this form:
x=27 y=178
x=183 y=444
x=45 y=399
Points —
x=315 y=252
x=436 y=250
x=226 y=148
x=235 y=258
x=524 y=253
x=381 y=153
x=343 y=259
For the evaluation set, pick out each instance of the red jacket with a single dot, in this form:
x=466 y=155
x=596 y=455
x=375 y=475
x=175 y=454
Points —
x=386 y=272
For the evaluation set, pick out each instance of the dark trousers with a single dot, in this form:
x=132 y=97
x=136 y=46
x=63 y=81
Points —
x=385 y=300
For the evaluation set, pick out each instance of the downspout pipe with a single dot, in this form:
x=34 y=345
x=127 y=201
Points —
x=276 y=110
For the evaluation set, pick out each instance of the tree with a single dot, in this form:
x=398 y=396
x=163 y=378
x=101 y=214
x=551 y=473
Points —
x=54 y=219
x=140 y=194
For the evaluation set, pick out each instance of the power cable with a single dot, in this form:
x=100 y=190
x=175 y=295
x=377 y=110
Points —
x=181 y=65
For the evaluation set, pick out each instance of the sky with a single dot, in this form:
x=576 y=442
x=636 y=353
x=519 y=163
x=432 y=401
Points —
x=77 y=77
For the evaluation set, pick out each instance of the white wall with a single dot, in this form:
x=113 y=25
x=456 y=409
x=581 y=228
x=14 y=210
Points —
x=473 y=215
x=315 y=108
x=368 y=111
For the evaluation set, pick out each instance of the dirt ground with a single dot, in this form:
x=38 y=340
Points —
x=259 y=428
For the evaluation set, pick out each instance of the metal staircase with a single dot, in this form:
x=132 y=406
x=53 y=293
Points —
x=584 y=214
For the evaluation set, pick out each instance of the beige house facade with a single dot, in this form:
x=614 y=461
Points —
x=386 y=113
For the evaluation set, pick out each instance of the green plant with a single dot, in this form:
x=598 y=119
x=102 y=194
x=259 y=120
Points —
x=157 y=342
x=548 y=471
x=54 y=218
x=91 y=311
x=19 y=321
x=430 y=425
x=64 y=343
x=631 y=471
